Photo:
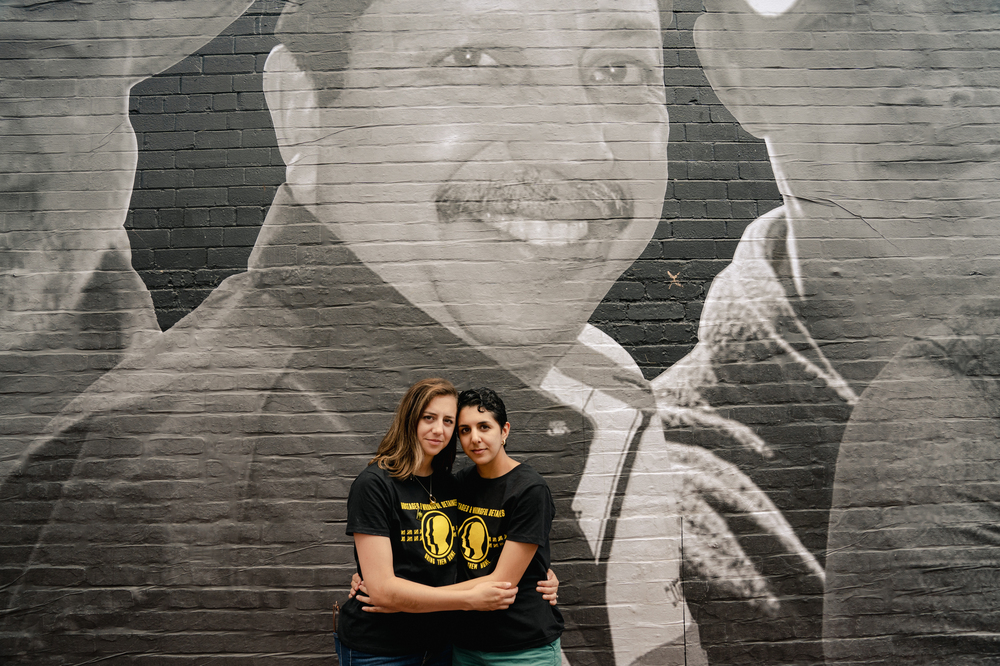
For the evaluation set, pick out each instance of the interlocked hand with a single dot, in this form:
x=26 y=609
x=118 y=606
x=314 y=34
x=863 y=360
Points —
x=713 y=495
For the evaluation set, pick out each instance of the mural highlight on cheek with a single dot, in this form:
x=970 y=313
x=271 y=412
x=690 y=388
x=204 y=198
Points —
x=190 y=503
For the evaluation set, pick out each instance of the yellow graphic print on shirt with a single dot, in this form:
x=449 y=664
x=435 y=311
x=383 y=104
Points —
x=476 y=542
x=438 y=535
x=474 y=538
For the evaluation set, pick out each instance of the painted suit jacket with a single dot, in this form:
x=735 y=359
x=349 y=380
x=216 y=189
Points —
x=913 y=529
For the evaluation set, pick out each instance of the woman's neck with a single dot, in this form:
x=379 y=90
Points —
x=425 y=468
x=497 y=467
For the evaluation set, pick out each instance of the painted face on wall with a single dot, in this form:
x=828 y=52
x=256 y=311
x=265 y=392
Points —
x=500 y=162
x=925 y=102
x=871 y=99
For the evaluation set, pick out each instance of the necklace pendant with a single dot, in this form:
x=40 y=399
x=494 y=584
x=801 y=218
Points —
x=433 y=499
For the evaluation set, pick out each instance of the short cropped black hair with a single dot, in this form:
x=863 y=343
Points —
x=485 y=400
x=318 y=34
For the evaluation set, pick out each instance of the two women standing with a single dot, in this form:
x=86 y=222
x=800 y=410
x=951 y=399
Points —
x=417 y=528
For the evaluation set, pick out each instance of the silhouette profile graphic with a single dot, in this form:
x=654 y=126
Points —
x=474 y=539
x=436 y=532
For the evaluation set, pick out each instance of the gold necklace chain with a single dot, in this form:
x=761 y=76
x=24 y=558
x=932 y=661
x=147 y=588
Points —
x=430 y=493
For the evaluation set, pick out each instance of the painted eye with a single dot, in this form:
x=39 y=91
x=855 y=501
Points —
x=468 y=57
x=621 y=72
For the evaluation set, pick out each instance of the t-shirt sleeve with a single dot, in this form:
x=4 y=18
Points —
x=531 y=516
x=369 y=506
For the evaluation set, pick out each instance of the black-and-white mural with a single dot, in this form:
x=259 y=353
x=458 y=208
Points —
x=464 y=184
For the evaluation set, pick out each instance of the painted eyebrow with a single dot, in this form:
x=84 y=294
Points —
x=626 y=33
x=599 y=20
x=630 y=24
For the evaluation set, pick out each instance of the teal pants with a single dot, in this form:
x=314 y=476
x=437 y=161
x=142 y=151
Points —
x=547 y=655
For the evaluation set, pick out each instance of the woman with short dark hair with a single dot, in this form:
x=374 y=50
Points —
x=506 y=510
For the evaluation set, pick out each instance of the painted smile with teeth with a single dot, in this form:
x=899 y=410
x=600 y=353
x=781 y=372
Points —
x=539 y=208
x=538 y=232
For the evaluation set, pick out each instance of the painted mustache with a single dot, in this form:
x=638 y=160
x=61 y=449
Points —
x=538 y=207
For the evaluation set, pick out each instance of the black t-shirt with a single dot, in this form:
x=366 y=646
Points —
x=516 y=506
x=423 y=551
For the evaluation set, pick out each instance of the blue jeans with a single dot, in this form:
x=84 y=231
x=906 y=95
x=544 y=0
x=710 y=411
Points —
x=349 y=657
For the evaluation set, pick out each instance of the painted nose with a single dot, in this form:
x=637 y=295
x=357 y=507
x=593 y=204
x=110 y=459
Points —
x=554 y=123
x=574 y=145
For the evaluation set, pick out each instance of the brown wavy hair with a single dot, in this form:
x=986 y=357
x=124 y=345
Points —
x=399 y=453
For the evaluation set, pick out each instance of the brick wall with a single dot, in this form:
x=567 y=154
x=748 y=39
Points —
x=776 y=445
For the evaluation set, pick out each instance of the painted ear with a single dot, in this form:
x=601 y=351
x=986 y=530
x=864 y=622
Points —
x=728 y=70
x=291 y=97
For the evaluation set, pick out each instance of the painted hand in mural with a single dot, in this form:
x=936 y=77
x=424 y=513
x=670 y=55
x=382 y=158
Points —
x=715 y=492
